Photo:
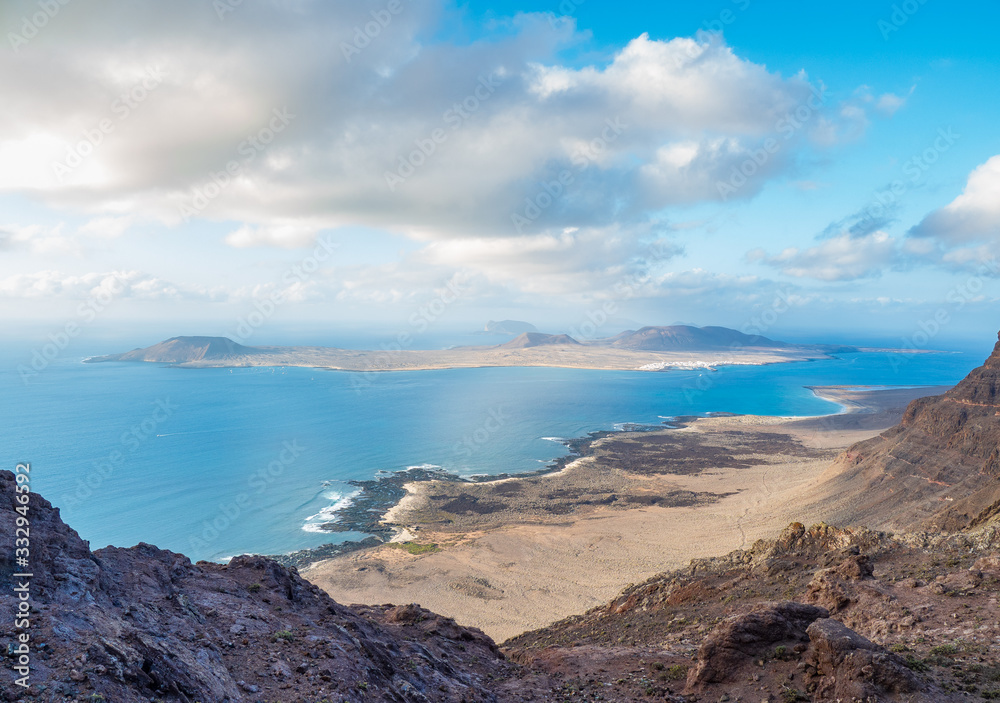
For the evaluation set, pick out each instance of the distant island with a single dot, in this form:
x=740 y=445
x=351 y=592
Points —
x=507 y=327
x=646 y=349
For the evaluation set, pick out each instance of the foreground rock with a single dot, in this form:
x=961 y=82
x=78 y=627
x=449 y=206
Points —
x=818 y=614
x=731 y=647
x=837 y=663
x=843 y=665
x=141 y=624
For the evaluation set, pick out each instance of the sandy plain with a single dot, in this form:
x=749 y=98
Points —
x=517 y=554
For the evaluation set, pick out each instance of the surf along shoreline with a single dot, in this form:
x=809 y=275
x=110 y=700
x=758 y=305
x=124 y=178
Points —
x=379 y=509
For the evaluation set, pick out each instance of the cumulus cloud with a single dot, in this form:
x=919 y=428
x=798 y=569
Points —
x=974 y=216
x=964 y=234
x=37 y=239
x=889 y=103
x=56 y=241
x=263 y=119
x=838 y=258
x=572 y=261
x=114 y=284
x=106 y=227
x=289 y=236
x=850 y=118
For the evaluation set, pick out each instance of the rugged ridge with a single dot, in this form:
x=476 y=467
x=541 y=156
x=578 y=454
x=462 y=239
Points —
x=144 y=623
x=818 y=614
x=939 y=468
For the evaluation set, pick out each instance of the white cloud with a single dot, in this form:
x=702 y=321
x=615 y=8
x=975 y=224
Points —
x=839 y=258
x=490 y=122
x=116 y=284
x=889 y=104
x=287 y=236
x=44 y=241
x=106 y=227
x=974 y=216
x=573 y=262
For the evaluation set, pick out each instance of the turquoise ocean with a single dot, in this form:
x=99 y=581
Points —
x=147 y=453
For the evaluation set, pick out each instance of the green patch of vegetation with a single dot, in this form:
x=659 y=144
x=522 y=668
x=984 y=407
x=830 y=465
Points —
x=285 y=635
x=253 y=587
x=416 y=548
x=991 y=695
x=944 y=650
x=780 y=652
x=677 y=672
x=916 y=664
x=899 y=648
x=793 y=695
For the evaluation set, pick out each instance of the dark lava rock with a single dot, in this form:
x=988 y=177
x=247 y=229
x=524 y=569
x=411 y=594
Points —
x=144 y=623
x=738 y=640
x=849 y=667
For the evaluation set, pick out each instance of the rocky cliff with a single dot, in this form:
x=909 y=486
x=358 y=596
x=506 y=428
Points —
x=145 y=624
x=939 y=468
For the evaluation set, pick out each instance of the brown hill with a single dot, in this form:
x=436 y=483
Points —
x=939 y=468
x=687 y=338
x=526 y=340
x=177 y=350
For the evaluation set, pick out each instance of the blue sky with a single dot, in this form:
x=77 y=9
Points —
x=830 y=168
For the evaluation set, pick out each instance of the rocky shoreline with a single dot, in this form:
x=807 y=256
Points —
x=380 y=495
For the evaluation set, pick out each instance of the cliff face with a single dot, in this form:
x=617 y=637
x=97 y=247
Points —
x=143 y=623
x=940 y=467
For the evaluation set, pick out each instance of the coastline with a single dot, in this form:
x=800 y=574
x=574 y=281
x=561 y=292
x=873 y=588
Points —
x=578 y=356
x=515 y=552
